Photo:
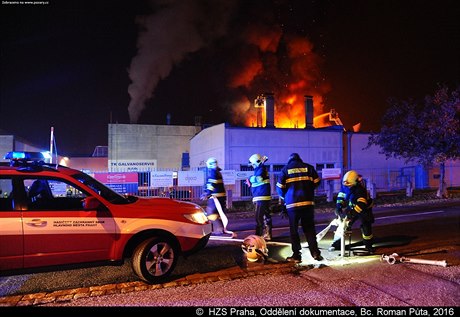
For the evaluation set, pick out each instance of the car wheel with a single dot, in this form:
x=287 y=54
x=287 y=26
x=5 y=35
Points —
x=154 y=259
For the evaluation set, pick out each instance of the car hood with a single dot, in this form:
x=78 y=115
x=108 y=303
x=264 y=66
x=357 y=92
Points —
x=162 y=208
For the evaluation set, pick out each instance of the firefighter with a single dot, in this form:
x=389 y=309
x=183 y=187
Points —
x=214 y=187
x=261 y=195
x=296 y=186
x=359 y=207
x=341 y=203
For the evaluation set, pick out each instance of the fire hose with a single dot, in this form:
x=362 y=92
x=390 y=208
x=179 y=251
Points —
x=393 y=258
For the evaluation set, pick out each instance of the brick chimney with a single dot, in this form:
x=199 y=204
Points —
x=269 y=110
x=309 y=112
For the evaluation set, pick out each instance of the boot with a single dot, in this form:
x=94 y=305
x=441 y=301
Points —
x=267 y=232
x=267 y=228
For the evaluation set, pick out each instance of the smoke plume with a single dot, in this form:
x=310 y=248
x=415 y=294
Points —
x=174 y=29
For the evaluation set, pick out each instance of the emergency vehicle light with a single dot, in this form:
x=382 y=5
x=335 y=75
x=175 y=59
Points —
x=25 y=156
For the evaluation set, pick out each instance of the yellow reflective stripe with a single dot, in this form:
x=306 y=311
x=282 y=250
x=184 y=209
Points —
x=298 y=179
x=210 y=187
x=267 y=181
x=280 y=185
x=367 y=237
x=363 y=200
x=215 y=181
x=358 y=209
x=300 y=204
x=258 y=198
x=218 y=194
x=341 y=195
x=297 y=170
x=316 y=180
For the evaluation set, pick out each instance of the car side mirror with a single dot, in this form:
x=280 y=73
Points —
x=91 y=203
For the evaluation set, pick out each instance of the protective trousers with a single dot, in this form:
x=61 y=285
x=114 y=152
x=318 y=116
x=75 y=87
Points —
x=263 y=219
x=306 y=218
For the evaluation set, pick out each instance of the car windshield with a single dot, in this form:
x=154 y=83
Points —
x=104 y=191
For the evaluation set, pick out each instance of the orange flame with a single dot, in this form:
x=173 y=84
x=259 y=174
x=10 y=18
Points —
x=289 y=76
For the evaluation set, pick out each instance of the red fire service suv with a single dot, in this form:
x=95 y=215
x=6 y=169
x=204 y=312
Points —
x=53 y=215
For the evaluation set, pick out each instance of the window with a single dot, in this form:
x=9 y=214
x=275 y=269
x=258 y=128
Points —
x=6 y=194
x=320 y=166
x=52 y=194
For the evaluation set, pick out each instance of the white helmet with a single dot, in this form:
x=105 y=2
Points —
x=255 y=248
x=211 y=162
x=350 y=178
x=256 y=160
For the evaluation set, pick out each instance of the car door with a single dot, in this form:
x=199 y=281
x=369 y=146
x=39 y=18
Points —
x=57 y=229
x=11 y=237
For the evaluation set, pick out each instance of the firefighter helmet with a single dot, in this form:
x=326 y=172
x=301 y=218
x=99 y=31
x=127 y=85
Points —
x=255 y=248
x=294 y=157
x=256 y=160
x=211 y=162
x=350 y=178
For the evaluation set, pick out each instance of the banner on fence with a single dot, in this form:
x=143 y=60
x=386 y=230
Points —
x=190 y=178
x=161 y=179
x=331 y=173
x=122 y=183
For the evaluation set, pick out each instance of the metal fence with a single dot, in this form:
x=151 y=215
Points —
x=378 y=180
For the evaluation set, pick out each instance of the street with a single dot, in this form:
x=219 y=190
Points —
x=420 y=232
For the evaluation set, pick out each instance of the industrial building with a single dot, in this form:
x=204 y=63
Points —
x=181 y=149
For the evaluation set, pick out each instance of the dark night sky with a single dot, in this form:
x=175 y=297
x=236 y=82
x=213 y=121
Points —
x=69 y=64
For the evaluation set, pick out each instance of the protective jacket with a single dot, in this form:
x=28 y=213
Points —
x=296 y=184
x=260 y=184
x=360 y=204
x=214 y=183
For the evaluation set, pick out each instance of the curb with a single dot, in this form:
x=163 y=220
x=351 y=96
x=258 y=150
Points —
x=231 y=273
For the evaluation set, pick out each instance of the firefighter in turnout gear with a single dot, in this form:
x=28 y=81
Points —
x=359 y=207
x=296 y=185
x=341 y=203
x=214 y=187
x=261 y=195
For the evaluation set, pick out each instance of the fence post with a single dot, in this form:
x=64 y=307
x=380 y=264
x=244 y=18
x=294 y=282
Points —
x=371 y=189
x=330 y=191
x=409 y=188
x=229 y=199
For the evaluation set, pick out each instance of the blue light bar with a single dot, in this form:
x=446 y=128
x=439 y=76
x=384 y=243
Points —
x=29 y=156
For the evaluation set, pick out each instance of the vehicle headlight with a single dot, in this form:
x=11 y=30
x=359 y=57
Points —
x=197 y=217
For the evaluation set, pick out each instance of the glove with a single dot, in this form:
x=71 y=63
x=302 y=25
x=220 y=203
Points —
x=339 y=212
x=205 y=197
x=283 y=213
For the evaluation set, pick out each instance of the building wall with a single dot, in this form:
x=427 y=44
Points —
x=163 y=143
x=209 y=142
x=11 y=143
x=232 y=146
x=315 y=146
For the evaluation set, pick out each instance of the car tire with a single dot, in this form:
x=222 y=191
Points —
x=154 y=259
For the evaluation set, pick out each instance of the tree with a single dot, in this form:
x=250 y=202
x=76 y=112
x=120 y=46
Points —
x=427 y=132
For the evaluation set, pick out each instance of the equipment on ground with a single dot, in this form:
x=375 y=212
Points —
x=255 y=248
x=223 y=217
x=393 y=258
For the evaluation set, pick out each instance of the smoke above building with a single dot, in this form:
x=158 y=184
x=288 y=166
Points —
x=265 y=58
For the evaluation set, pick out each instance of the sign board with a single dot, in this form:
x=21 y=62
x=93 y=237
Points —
x=228 y=177
x=190 y=178
x=161 y=179
x=132 y=165
x=331 y=173
x=242 y=175
x=122 y=183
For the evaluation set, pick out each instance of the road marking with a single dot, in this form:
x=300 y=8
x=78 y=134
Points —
x=416 y=214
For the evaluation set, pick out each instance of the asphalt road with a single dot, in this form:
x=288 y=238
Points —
x=430 y=233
